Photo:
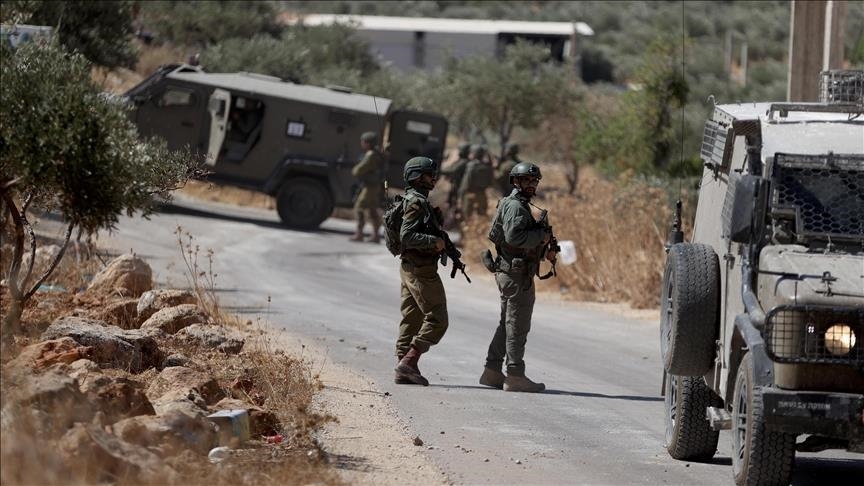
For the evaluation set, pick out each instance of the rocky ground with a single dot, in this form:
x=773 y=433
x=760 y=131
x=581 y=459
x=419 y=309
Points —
x=117 y=384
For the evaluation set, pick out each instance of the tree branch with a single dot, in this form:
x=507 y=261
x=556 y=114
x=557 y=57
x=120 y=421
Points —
x=26 y=224
x=17 y=248
x=53 y=264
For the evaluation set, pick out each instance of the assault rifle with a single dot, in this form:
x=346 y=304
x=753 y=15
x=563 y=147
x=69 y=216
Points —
x=552 y=245
x=450 y=251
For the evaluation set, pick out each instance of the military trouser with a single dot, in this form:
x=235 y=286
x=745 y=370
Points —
x=474 y=203
x=517 y=305
x=424 y=308
x=366 y=207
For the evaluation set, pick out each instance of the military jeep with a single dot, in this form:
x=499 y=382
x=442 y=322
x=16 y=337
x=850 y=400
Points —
x=762 y=312
x=295 y=142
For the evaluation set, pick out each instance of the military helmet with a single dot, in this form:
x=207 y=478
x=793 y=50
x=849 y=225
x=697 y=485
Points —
x=525 y=169
x=369 y=137
x=464 y=147
x=511 y=149
x=417 y=166
x=478 y=150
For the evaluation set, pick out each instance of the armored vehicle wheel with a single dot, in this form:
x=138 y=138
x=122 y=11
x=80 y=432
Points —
x=759 y=456
x=303 y=203
x=689 y=309
x=688 y=434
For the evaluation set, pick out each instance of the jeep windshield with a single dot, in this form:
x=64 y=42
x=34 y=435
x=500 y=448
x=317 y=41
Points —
x=818 y=197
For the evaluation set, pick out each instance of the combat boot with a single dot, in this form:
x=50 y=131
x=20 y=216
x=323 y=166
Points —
x=492 y=377
x=518 y=382
x=356 y=237
x=408 y=369
x=399 y=378
x=375 y=235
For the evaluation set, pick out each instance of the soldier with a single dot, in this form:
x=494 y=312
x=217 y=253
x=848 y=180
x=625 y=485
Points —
x=424 y=304
x=454 y=173
x=517 y=238
x=502 y=176
x=478 y=176
x=369 y=172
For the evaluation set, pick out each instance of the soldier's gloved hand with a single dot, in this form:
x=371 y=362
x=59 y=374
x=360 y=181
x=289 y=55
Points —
x=551 y=255
x=439 y=244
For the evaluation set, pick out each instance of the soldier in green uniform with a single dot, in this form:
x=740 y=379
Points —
x=502 y=175
x=478 y=176
x=424 y=304
x=369 y=172
x=517 y=238
x=454 y=172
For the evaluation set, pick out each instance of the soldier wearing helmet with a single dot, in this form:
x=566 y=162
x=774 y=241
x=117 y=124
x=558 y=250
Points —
x=478 y=176
x=454 y=172
x=369 y=172
x=424 y=304
x=502 y=175
x=517 y=237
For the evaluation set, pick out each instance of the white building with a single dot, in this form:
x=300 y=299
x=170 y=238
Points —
x=427 y=43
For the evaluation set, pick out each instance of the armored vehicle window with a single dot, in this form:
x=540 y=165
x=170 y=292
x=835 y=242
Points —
x=176 y=97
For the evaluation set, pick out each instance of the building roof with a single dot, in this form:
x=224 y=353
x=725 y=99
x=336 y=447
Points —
x=272 y=86
x=462 y=26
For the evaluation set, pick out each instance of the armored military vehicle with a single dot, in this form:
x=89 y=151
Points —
x=762 y=312
x=295 y=142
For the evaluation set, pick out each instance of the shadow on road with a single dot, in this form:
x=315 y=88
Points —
x=203 y=213
x=601 y=395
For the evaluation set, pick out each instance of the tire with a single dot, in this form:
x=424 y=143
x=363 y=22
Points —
x=759 y=456
x=303 y=203
x=688 y=433
x=689 y=312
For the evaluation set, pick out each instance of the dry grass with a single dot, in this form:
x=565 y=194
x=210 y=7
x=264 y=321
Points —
x=208 y=191
x=619 y=229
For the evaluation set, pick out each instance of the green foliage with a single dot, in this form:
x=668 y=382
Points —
x=67 y=147
x=100 y=31
x=202 y=23
x=519 y=90
x=299 y=55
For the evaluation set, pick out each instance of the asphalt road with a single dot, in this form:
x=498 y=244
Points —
x=600 y=421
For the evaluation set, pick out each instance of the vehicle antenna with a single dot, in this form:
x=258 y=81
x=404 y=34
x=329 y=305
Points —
x=386 y=162
x=676 y=235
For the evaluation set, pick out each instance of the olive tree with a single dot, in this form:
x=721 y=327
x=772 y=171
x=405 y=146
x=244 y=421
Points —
x=500 y=95
x=67 y=148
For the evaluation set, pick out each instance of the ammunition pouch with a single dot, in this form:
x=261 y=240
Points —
x=488 y=261
x=516 y=266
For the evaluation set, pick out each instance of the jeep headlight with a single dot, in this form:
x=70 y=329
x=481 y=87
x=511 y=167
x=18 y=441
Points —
x=839 y=339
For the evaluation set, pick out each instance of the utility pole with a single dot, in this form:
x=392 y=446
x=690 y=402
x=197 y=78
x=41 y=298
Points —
x=816 y=34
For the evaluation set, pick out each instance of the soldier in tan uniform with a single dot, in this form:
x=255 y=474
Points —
x=369 y=172
x=424 y=304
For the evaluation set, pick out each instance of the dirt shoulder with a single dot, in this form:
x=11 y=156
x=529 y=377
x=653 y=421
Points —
x=370 y=443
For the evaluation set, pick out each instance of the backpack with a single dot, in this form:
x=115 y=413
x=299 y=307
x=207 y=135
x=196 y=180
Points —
x=393 y=226
x=479 y=175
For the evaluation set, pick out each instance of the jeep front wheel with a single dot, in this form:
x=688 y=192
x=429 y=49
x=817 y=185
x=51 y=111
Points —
x=303 y=203
x=759 y=456
x=688 y=433
x=689 y=309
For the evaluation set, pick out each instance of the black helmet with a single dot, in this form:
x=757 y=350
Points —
x=525 y=169
x=478 y=150
x=369 y=137
x=417 y=166
x=463 y=149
